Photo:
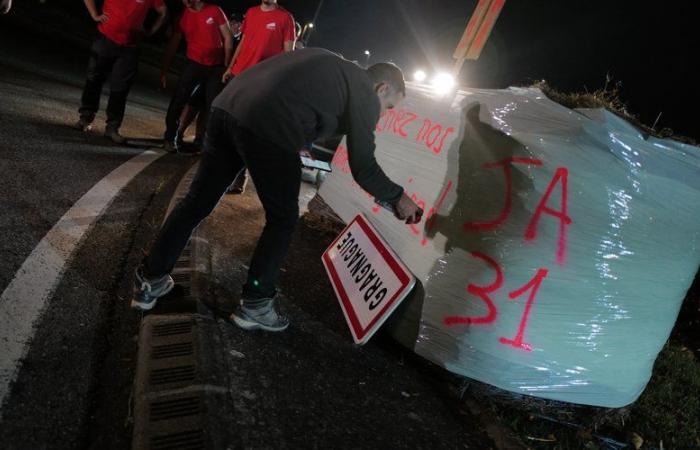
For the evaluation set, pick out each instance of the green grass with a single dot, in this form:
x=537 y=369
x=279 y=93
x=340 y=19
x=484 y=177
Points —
x=669 y=410
x=667 y=414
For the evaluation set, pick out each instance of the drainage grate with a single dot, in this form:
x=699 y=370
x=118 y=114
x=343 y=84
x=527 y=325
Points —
x=179 y=374
x=172 y=350
x=172 y=409
x=169 y=405
x=182 y=263
x=173 y=328
x=182 y=277
x=184 y=440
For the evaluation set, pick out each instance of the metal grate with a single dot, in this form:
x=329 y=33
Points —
x=179 y=374
x=182 y=277
x=172 y=350
x=182 y=263
x=184 y=440
x=171 y=409
x=170 y=329
x=169 y=405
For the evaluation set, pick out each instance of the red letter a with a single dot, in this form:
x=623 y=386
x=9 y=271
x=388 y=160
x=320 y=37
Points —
x=564 y=219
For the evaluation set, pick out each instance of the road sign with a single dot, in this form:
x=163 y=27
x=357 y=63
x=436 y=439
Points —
x=368 y=278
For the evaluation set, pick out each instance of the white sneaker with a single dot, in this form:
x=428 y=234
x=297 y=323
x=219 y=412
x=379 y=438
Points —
x=264 y=318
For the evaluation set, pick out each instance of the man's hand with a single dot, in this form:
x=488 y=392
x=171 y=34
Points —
x=406 y=209
x=102 y=18
x=226 y=76
x=163 y=80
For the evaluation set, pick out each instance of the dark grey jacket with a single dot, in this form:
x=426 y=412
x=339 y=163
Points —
x=305 y=95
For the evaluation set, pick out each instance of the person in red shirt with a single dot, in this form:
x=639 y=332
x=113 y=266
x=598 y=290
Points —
x=196 y=102
x=209 y=47
x=267 y=30
x=114 y=55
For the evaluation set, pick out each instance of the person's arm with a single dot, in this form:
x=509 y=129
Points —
x=228 y=74
x=225 y=30
x=92 y=9
x=363 y=118
x=5 y=6
x=162 y=11
x=289 y=35
x=168 y=56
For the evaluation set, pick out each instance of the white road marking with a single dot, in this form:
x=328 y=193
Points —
x=34 y=283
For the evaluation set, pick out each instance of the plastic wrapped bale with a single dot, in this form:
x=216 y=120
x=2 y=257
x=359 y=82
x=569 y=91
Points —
x=557 y=244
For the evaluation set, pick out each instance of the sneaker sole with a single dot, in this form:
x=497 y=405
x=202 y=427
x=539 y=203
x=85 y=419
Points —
x=250 y=325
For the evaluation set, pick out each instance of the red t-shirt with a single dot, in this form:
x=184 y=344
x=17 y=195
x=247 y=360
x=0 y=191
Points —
x=264 y=35
x=125 y=23
x=205 y=44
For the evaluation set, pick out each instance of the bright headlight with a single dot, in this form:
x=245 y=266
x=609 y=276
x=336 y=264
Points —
x=419 y=76
x=443 y=83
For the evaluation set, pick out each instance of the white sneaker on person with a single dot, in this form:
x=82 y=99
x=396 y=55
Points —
x=264 y=318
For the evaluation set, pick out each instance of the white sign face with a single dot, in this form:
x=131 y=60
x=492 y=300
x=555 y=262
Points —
x=368 y=279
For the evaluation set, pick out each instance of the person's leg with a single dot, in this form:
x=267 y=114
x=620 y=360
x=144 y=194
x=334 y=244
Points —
x=200 y=128
x=186 y=118
x=123 y=75
x=219 y=164
x=212 y=87
x=191 y=110
x=277 y=177
x=102 y=57
x=188 y=81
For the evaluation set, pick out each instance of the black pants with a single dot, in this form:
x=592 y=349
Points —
x=208 y=78
x=113 y=61
x=276 y=173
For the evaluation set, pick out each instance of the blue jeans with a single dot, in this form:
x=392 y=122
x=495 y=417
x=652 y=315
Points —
x=276 y=173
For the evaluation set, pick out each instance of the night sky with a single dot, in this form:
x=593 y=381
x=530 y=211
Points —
x=572 y=44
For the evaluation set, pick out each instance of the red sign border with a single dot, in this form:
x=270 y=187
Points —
x=407 y=280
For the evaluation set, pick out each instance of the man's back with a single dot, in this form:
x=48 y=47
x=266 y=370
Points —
x=298 y=97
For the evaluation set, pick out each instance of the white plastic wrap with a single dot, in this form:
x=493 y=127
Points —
x=557 y=245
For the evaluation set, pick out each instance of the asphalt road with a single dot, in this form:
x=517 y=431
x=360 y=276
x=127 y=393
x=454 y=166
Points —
x=45 y=168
